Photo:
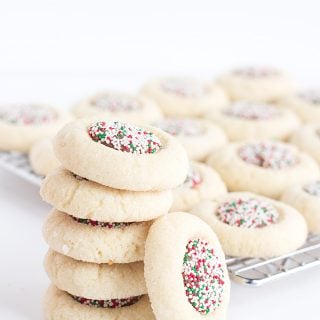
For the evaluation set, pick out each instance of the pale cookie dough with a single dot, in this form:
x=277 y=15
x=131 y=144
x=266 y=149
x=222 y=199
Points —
x=22 y=125
x=249 y=225
x=256 y=84
x=305 y=103
x=202 y=183
x=244 y=120
x=42 y=158
x=85 y=199
x=95 y=281
x=179 y=96
x=307 y=139
x=93 y=241
x=263 y=167
x=59 y=305
x=198 y=136
x=119 y=106
x=122 y=156
x=306 y=199
x=185 y=270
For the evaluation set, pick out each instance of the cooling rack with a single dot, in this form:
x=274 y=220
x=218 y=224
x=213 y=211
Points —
x=245 y=271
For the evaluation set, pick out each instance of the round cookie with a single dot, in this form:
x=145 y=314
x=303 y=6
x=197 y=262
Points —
x=244 y=120
x=182 y=96
x=122 y=156
x=59 y=305
x=264 y=167
x=95 y=281
x=119 y=106
x=94 y=241
x=198 y=136
x=306 y=199
x=22 y=125
x=202 y=183
x=42 y=158
x=85 y=199
x=185 y=270
x=305 y=104
x=307 y=139
x=256 y=84
x=249 y=225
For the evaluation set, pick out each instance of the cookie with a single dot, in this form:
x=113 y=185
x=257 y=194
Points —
x=306 y=199
x=185 y=270
x=251 y=120
x=95 y=241
x=42 y=158
x=306 y=104
x=21 y=125
x=198 y=136
x=307 y=139
x=119 y=106
x=256 y=84
x=95 y=281
x=249 y=225
x=202 y=183
x=85 y=199
x=122 y=156
x=59 y=305
x=264 y=167
x=179 y=96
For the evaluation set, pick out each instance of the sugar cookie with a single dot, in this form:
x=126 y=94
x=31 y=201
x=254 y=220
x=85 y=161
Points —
x=306 y=199
x=179 y=96
x=199 y=137
x=251 y=120
x=22 y=125
x=95 y=241
x=122 y=156
x=256 y=84
x=202 y=183
x=264 y=167
x=119 y=106
x=249 y=225
x=185 y=270
x=59 y=305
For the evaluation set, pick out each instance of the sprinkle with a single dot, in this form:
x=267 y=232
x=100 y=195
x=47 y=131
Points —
x=180 y=127
x=108 y=225
x=30 y=114
x=185 y=87
x=268 y=155
x=124 y=137
x=252 y=111
x=203 y=276
x=116 y=102
x=247 y=213
x=193 y=179
x=313 y=188
x=253 y=72
x=113 y=303
x=311 y=96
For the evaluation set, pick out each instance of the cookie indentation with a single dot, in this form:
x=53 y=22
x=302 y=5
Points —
x=114 y=102
x=185 y=87
x=247 y=213
x=193 y=179
x=180 y=127
x=108 y=225
x=313 y=188
x=124 y=137
x=203 y=276
x=256 y=73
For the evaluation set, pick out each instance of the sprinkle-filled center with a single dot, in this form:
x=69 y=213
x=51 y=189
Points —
x=311 y=96
x=252 y=111
x=185 y=87
x=203 y=276
x=124 y=137
x=116 y=102
x=108 y=225
x=247 y=213
x=180 y=127
x=113 y=303
x=256 y=73
x=313 y=188
x=31 y=114
x=193 y=179
x=268 y=155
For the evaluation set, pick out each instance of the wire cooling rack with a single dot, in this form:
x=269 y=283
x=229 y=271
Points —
x=245 y=271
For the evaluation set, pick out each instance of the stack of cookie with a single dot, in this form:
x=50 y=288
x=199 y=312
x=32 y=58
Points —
x=116 y=178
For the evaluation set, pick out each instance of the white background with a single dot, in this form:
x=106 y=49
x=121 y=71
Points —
x=59 y=51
